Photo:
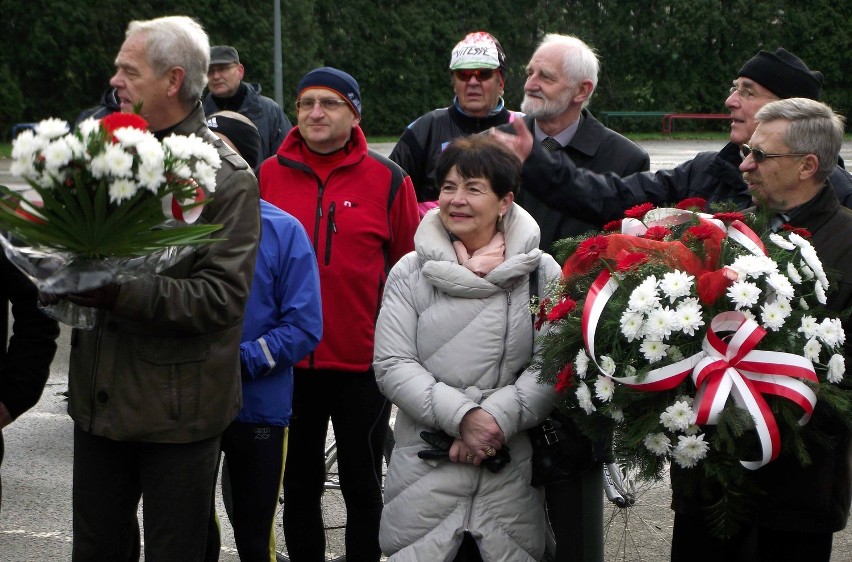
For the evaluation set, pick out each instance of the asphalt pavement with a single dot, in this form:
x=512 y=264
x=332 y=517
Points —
x=35 y=522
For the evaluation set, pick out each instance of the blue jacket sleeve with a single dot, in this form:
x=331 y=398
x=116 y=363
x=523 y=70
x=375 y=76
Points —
x=287 y=290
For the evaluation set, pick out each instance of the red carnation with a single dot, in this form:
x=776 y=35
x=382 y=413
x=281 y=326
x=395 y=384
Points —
x=590 y=250
x=803 y=232
x=697 y=203
x=729 y=217
x=657 y=233
x=612 y=226
x=542 y=313
x=638 y=211
x=115 y=121
x=631 y=261
x=702 y=231
x=564 y=380
x=566 y=305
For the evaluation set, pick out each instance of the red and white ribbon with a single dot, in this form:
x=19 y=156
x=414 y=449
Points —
x=174 y=209
x=723 y=368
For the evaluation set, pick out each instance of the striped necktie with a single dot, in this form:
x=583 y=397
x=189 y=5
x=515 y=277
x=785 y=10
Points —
x=551 y=144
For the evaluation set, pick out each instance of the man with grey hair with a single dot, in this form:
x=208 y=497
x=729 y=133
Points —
x=561 y=77
x=155 y=383
x=797 y=509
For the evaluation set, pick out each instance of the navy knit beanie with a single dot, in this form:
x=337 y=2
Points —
x=784 y=74
x=334 y=80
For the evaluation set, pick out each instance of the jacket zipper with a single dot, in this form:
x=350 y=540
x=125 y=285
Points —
x=92 y=398
x=331 y=228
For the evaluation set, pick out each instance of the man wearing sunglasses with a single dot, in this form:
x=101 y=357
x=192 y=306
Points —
x=478 y=70
x=714 y=176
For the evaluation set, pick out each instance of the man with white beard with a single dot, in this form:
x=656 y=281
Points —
x=561 y=78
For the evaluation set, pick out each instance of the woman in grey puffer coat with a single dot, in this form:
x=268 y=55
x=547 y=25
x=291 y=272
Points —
x=453 y=342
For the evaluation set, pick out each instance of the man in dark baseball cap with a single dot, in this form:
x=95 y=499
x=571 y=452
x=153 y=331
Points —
x=229 y=92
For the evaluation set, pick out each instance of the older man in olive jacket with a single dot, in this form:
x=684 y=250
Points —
x=154 y=384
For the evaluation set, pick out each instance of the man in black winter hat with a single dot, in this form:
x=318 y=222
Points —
x=713 y=176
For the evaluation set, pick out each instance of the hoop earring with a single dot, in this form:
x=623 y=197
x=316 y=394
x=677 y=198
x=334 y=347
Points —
x=499 y=217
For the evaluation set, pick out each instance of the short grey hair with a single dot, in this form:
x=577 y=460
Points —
x=814 y=129
x=177 y=41
x=579 y=61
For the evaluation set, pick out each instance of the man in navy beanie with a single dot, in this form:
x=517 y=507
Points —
x=360 y=211
x=713 y=176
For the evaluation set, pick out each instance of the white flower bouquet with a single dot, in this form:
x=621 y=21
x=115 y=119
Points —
x=107 y=201
x=693 y=340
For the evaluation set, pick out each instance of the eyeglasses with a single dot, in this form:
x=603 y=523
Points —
x=220 y=68
x=482 y=74
x=747 y=94
x=327 y=104
x=760 y=156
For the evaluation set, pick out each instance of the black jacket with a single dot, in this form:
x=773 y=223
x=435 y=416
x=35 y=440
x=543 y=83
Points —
x=595 y=148
x=599 y=198
x=25 y=362
x=423 y=140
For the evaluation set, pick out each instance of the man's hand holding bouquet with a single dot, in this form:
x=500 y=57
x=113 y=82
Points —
x=690 y=339
x=108 y=201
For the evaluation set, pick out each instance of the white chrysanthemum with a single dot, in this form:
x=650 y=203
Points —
x=78 y=149
x=604 y=388
x=121 y=190
x=660 y=323
x=23 y=167
x=809 y=327
x=810 y=256
x=819 y=292
x=581 y=363
x=645 y=296
x=630 y=371
x=653 y=350
x=89 y=127
x=689 y=450
x=56 y=155
x=182 y=171
x=793 y=274
x=812 y=349
x=607 y=365
x=632 y=324
x=584 y=398
x=26 y=145
x=773 y=315
x=831 y=332
x=781 y=242
x=677 y=417
x=807 y=272
x=151 y=178
x=617 y=414
x=781 y=285
x=836 y=368
x=658 y=443
x=744 y=294
x=151 y=153
x=179 y=146
x=690 y=400
x=52 y=128
x=798 y=240
x=688 y=316
x=675 y=284
x=803 y=304
x=205 y=175
x=99 y=166
x=119 y=162
x=753 y=266
x=129 y=137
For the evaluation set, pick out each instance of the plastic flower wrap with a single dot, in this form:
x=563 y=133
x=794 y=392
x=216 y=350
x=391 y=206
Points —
x=692 y=340
x=107 y=201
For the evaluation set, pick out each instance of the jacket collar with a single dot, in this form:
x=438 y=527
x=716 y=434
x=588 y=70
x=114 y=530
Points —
x=290 y=149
